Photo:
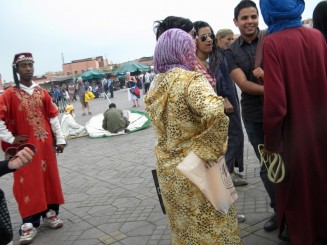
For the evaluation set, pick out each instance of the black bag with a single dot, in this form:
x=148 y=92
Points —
x=6 y=233
x=156 y=183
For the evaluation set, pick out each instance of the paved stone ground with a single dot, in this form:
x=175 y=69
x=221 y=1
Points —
x=110 y=195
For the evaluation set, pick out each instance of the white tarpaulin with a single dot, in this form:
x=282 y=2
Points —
x=138 y=121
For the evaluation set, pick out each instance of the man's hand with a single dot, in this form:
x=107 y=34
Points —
x=259 y=74
x=19 y=139
x=228 y=106
x=60 y=148
x=21 y=158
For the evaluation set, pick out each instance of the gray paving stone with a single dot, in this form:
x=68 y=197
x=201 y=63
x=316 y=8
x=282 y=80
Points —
x=110 y=227
x=92 y=233
x=110 y=197
x=139 y=240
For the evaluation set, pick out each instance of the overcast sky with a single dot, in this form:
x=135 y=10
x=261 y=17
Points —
x=119 y=30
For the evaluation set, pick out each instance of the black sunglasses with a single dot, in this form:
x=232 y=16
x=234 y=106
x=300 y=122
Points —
x=204 y=37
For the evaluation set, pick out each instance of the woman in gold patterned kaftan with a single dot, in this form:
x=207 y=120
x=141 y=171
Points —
x=187 y=115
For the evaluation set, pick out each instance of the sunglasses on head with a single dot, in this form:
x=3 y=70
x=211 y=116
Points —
x=204 y=37
x=12 y=151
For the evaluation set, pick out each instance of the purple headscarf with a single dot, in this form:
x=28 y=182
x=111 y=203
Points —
x=175 y=48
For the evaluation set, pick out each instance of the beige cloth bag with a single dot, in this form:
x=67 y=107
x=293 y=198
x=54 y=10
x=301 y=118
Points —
x=212 y=178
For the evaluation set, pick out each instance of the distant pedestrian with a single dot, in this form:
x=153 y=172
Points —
x=80 y=87
x=88 y=96
x=111 y=86
x=130 y=82
x=57 y=96
x=71 y=92
x=147 y=81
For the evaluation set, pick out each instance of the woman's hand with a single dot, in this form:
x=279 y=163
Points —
x=228 y=106
x=21 y=158
x=259 y=74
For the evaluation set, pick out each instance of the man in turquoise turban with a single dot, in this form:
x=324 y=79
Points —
x=282 y=14
x=295 y=116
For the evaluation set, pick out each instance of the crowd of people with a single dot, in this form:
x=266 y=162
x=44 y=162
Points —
x=194 y=106
x=281 y=73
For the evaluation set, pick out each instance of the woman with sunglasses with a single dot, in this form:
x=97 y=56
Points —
x=204 y=43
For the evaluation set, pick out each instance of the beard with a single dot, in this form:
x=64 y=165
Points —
x=73 y=115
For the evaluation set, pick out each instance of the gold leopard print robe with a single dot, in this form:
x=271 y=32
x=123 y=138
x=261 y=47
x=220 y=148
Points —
x=188 y=115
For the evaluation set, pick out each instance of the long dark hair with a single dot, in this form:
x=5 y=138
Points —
x=160 y=26
x=319 y=18
x=214 y=55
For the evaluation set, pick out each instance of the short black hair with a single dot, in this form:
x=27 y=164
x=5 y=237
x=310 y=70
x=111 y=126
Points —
x=242 y=5
x=160 y=26
x=112 y=105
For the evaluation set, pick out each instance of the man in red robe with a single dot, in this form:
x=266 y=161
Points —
x=27 y=115
x=295 y=118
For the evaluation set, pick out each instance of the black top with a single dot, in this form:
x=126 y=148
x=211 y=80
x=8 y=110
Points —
x=130 y=84
x=241 y=54
x=4 y=168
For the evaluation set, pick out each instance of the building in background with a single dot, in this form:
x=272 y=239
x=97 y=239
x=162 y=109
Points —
x=79 y=66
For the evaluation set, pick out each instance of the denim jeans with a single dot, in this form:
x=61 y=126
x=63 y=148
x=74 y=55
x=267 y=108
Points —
x=255 y=133
x=35 y=219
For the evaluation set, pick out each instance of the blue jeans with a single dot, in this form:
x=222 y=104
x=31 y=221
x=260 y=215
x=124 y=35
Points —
x=256 y=137
x=35 y=219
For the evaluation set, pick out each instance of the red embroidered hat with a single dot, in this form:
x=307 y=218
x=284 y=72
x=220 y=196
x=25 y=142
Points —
x=21 y=57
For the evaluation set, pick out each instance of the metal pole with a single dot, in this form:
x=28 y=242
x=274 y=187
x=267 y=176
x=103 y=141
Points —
x=107 y=97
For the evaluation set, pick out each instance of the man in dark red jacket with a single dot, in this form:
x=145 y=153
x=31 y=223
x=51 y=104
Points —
x=295 y=116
